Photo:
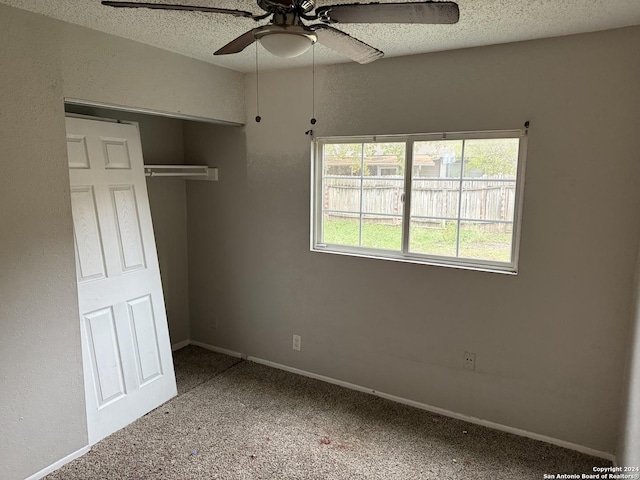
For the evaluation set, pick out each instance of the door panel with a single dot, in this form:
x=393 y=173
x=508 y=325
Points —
x=128 y=228
x=116 y=153
x=128 y=368
x=145 y=338
x=104 y=351
x=89 y=253
x=77 y=151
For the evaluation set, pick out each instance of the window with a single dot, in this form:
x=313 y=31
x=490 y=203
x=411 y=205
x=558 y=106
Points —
x=446 y=199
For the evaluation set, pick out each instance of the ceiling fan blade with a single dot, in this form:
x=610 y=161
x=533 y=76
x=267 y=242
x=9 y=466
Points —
x=407 y=12
x=238 y=44
x=191 y=8
x=345 y=44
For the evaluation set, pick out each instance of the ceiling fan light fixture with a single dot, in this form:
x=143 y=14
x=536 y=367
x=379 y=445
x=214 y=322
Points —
x=286 y=42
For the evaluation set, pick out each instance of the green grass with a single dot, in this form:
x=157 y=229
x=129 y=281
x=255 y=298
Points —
x=474 y=243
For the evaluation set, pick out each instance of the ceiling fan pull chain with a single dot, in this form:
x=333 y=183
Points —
x=313 y=85
x=258 y=117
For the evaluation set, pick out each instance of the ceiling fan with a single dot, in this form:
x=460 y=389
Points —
x=287 y=35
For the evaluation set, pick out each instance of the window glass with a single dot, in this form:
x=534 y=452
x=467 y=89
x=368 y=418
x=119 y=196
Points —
x=342 y=183
x=362 y=194
x=463 y=193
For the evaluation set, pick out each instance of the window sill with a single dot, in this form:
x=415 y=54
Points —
x=507 y=269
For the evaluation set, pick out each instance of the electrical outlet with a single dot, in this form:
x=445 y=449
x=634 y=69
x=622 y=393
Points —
x=469 y=361
x=297 y=342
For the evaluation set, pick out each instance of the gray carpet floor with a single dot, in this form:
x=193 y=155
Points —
x=237 y=420
x=195 y=365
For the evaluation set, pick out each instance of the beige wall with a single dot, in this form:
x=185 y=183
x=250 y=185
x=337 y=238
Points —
x=218 y=225
x=550 y=342
x=628 y=452
x=42 y=61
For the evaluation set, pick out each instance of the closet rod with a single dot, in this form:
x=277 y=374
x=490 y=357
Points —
x=188 y=172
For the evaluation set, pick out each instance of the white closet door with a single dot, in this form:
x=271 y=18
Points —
x=126 y=351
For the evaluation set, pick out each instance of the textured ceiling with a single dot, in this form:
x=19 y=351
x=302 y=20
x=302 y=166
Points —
x=482 y=22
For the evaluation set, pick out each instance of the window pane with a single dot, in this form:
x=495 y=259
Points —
x=491 y=158
x=431 y=198
x=488 y=200
x=435 y=184
x=433 y=237
x=382 y=232
x=342 y=159
x=341 y=194
x=383 y=183
x=384 y=160
x=341 y=229
x=383 y=196
x=437 y=159
x=486 y=240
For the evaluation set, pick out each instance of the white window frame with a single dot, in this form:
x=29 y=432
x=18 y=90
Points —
x=404 y=255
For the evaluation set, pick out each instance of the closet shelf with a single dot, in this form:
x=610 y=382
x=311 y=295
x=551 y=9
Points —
x=188 y=172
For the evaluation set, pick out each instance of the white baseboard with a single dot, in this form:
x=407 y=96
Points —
x=442 y=411
x=224 y=351
x=206 y=346
x=179 y=345
x=55 y=466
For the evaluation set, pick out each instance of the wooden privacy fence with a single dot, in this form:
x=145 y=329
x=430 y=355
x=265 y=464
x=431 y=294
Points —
x=380 y=200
